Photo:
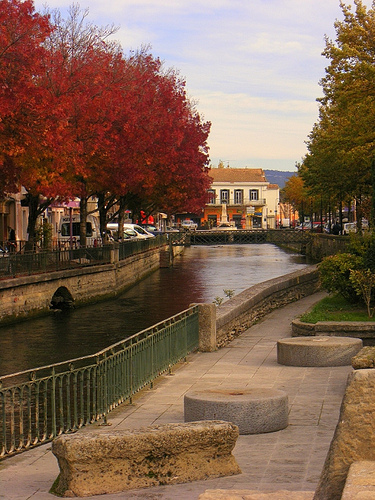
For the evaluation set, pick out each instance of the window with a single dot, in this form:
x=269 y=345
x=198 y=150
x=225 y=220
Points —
x=254 y=194
x=211 y=196
x=65 y=229
x=238 y=196
x=224 y=196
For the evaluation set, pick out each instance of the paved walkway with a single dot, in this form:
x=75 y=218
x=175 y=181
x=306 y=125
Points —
x=290 y=459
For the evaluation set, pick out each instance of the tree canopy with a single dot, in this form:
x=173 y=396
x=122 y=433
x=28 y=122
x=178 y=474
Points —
x=341 y=144
x=80 y=117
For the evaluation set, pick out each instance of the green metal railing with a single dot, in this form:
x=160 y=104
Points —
x=20 y=264
x=38 y=405
x=134 y=246
x=240 y=237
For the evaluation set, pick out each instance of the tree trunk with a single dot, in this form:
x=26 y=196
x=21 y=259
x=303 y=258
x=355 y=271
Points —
x=82 y=222
x=121 y=217
x=372 y=222
x=102 y=206
x=359 y=213
x=36 y=208
x=33 y=204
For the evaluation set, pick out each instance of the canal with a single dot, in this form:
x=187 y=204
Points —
x=201 y=274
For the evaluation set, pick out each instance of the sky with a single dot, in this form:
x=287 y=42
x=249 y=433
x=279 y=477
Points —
x=252 y=66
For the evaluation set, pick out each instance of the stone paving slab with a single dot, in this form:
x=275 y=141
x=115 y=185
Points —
x=290 y=459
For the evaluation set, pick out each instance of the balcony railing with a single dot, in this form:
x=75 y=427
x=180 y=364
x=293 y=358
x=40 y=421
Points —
x=244 y=202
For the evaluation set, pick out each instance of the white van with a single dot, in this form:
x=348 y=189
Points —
x=130 y=229
x=93 y=237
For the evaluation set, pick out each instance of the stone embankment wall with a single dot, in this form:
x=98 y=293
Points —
x=246 y=308
x=323 y=245
x=32 y=295
x=318 y=246
x=364 y=330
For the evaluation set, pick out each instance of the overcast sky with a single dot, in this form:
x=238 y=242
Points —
x=253 y=66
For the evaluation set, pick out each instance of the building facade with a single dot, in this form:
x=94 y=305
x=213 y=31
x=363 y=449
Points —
x=241 y=197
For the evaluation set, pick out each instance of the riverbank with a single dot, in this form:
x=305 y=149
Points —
x=35 y=295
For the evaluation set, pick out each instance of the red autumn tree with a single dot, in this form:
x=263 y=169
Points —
x=96 y=121
x=22 y=101
x=82 y=72
x=161 y=141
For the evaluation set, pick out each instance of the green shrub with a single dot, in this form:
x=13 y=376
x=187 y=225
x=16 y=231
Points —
x=363 y=281
x=335 y=271
x=364 y=246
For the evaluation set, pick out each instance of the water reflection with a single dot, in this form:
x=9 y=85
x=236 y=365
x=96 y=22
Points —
x=199 y=275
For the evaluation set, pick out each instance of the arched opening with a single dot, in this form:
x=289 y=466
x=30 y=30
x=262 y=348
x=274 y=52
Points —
x=62 y=299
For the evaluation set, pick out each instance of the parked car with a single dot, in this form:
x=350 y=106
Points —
x=149 y=228
x=72 y=224
x=189 y=225
x=306 y=226
x=140 y=233
x=4 y=252
x=352 y=227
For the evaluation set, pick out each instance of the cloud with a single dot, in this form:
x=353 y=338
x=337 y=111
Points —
x=253 y=66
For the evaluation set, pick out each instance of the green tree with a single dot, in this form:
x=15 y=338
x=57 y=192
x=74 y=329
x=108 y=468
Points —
x=341 y=144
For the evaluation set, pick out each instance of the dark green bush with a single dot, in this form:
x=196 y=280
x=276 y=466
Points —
x=335 y=271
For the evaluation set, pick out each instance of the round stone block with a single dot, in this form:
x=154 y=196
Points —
x=254 y=410
x=317 y=351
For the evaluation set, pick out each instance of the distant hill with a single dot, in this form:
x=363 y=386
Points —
x=278 y=177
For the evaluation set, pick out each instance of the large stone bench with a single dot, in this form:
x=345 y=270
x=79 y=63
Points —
x=255 y=495
x=317 y=351
x=353 y=441
x=100 y=462
x=360 y=482
x=254 y=410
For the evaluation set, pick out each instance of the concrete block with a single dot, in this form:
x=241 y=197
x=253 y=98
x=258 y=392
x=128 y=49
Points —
x=255 y=495
x=364 y=359
x=360 y=483
x=94 y=463
x=354 y=438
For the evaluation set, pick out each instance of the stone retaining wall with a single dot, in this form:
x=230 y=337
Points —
x=246 y=308
x=354 y=438
x=31 y=295
x=359 y=329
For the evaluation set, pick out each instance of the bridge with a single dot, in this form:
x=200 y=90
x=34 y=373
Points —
x=228 y=237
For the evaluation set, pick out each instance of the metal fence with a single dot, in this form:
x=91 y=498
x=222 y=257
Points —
x=38 y=405
x=21 y=264
x=135 y=246
x=240 y=237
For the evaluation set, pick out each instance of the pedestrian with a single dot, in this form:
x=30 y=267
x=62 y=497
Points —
x=12 y=239
x=336 y=228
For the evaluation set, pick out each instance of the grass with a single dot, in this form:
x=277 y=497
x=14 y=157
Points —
x=336 y=308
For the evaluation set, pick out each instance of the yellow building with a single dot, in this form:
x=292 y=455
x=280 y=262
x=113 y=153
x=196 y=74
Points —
x=241 y=197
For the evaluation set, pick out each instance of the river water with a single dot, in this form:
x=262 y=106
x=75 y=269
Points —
x=199 y=275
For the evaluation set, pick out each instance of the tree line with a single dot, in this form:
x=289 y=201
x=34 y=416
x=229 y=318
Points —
x=339 y=167
x=79 y=117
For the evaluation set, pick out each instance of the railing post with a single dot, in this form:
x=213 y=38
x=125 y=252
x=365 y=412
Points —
x=115 y=253
x=207 y=327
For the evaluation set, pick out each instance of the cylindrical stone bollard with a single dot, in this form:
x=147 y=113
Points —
x=254 y=411
x=317 y=351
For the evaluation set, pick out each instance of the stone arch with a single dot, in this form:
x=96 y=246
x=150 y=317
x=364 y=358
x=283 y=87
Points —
x=62 y=299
